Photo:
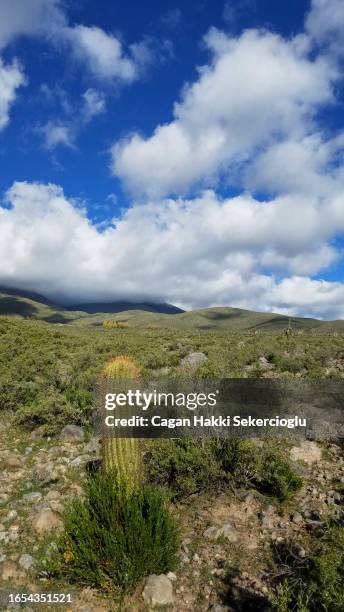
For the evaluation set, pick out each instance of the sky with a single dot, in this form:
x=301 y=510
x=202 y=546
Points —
x=182 y=152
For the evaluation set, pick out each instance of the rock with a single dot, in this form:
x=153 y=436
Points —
x=93 y=447
x=45 y=474
x=9 y=570
x=193 y=360
x=26 y=561
x=37 y=433
x=296 y=517
x=72 y=433
x=308 y=451
x=11 y=516
x=265 y=364
x=268 y=514
x=212 y=533
x=227 y=531
x=78 y=461
x=13 y=461
x=33 y=497
x=46 y=521
x=158 y=591
x=171 y=576
x=53 y=495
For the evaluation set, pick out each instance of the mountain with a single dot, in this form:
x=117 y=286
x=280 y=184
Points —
x=113 y=307
x=14 y=302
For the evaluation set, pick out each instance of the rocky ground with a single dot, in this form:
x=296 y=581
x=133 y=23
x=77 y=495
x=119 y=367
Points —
x=230 y=540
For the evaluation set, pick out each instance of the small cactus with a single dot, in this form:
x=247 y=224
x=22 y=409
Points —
x=122 y=455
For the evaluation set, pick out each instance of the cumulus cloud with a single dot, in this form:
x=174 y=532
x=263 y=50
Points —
x=11 y=77
x=94 y=103
x=156 y=251
x=325 y=24
x=256 y=89
x=102 y=52
x=32 y=17
x=57 y=134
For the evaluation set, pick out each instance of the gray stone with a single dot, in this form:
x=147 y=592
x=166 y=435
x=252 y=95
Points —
x=193 y=360
x=26 y=561
x=46 y=521
x=53 y=495
x=93 y=447
x=158 y=591
x=13 y=461
x=9 y=570
x=308 y=451
x=212 y=533
x=33 y=497
x=11 y=516
x=72 y=433
x=296 y=517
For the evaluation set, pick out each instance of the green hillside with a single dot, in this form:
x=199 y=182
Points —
x=33 y=306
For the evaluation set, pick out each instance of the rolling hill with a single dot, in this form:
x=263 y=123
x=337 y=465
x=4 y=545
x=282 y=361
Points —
x=30 y=305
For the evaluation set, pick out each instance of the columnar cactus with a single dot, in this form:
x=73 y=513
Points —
x=122 y=455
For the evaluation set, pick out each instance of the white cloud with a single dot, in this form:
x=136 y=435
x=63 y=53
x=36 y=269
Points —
x=11 y=77
x=56 y=134
x=28 y=17
x=257 y=88
x=94 y=103
x=309 y=165
x=195 y=253
x=103 y=53
x=325 y=24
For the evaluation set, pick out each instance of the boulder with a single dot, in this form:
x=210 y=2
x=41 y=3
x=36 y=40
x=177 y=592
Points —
x=46 y=521
x=307 y=451
x=26 y=561
x=193 y=360
x=9 y=571
x=158 y=591
x=72 y=433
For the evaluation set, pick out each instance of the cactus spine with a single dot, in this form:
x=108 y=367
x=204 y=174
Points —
x=122 y=456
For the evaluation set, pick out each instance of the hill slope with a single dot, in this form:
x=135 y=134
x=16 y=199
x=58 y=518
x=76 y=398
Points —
x=30 y=305
x=113 y=307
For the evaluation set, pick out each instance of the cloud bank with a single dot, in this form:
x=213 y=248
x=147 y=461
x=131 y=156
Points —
x=157 y=251
x=250 y=122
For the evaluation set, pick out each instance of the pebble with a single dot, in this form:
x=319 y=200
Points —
x=26 y=561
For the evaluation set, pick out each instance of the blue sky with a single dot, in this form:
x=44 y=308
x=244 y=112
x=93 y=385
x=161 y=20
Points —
x=187 y=152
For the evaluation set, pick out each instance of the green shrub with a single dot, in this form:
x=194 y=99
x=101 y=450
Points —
x=317 y=584
x=114 y=538
x=238 y=458
x=277 y=478
x=185 y=466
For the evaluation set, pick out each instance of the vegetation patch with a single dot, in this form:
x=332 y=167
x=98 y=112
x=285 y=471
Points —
x=114 y=538
x=316 y=583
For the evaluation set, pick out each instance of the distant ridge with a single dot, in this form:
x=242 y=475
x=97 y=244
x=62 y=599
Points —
x=30 y=305
x=113 y=307
x=30 y=295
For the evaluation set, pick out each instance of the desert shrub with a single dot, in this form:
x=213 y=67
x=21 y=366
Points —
x=317 y=584
x=239 y=458
x=185 y=466
x=277 y=478
x=53 y=410
x=112 y=539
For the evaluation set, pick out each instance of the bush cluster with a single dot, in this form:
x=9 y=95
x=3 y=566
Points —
x=186 y=466
x=318 y=583
x=113 y=538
